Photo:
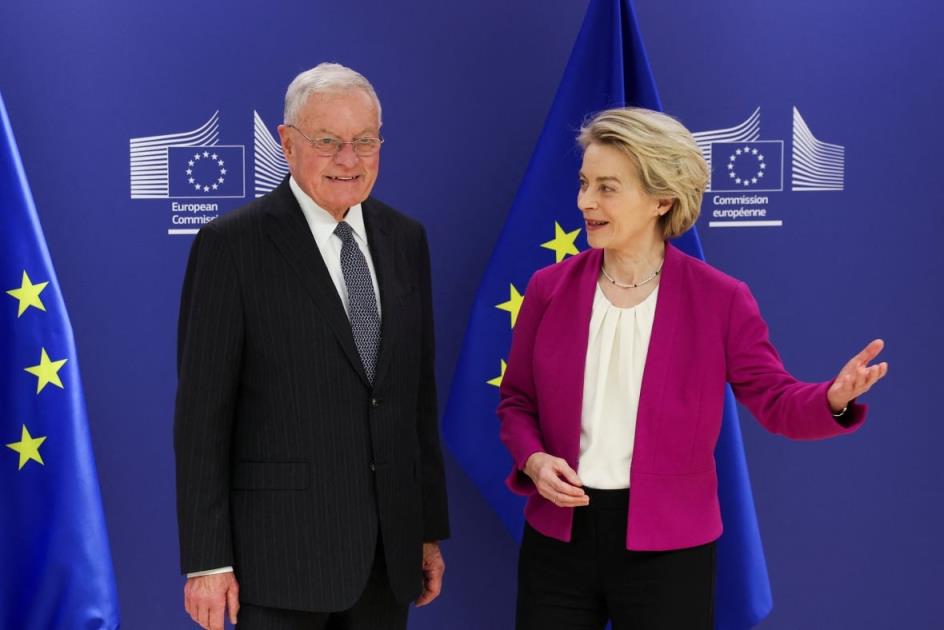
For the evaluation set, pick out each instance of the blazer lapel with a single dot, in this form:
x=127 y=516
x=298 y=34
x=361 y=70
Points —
x=290 y=232
x=656 y=375
x=573 y=323
x=383 y=253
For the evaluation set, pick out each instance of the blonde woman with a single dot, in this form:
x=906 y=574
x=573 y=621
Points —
x=612 y=401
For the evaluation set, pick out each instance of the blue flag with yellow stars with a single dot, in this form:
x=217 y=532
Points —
x=55 y=564
x=608 y=68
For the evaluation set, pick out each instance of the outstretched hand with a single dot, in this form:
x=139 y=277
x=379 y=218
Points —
x=856 y=377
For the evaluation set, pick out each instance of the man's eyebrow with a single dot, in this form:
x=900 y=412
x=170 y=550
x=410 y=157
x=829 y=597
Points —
x=356 y=135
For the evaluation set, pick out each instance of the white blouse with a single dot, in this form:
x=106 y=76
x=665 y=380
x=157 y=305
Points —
x=616 y=357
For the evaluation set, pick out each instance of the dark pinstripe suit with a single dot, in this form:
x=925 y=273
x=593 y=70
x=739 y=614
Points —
x=288 y=462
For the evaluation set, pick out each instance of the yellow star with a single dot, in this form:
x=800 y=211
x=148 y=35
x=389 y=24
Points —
x=563 y=242
x=46 y=372
x=498 y=379
x=28 y=448
x=28 y=294
x=513 y=305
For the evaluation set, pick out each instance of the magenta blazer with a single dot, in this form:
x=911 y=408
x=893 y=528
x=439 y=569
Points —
x=707 y=331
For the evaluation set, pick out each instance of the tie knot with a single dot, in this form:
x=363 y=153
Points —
x=344 y=231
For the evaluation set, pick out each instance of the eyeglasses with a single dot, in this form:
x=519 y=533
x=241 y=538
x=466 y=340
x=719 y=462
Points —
x=329 y=146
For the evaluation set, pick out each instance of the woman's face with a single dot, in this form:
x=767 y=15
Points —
x=617 y=211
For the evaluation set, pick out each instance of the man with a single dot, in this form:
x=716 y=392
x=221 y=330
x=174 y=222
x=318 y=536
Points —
x=310 y=482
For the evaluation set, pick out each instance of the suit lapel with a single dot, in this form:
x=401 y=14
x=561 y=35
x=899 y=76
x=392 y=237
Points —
x=383 y=253
x=290 y=232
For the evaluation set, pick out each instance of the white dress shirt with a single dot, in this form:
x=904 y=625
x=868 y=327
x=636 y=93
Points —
x=322 y=225
x=616 y=357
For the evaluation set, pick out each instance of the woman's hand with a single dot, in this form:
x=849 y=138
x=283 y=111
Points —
x=856 y=377
x=555 y=480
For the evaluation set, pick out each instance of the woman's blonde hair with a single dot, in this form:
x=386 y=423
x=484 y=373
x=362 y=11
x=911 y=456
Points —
x=669 y=162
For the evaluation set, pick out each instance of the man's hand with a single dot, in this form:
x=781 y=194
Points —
x=433 y=569
x=555 y=480
x=207 y=597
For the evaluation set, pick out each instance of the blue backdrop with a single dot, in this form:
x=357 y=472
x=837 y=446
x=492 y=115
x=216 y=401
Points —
x=846 y=97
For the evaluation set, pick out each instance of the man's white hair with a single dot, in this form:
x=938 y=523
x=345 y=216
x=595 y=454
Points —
x=324 y=78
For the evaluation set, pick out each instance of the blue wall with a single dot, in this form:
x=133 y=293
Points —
x=848 y=524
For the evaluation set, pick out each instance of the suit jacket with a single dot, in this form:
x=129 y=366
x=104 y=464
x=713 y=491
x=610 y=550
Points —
x=707 y=331
x=288 y=462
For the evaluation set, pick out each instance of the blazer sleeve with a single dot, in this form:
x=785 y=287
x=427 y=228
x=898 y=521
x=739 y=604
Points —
x=209 y=349
x=781 y=403
x=518 y=407
x=432 y=477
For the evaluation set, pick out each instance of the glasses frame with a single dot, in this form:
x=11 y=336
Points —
x=339 y=144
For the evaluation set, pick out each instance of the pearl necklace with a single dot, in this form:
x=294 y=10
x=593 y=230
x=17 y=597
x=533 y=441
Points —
x=631 y=286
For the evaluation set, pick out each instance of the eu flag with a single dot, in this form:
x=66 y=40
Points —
x=55 y=564
x=608 y=67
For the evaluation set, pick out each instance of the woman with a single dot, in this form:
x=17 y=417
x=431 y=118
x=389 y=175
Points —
x=612 y=399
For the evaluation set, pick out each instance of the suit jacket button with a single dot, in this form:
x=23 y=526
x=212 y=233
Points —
x=374 y=402
x=373 y=468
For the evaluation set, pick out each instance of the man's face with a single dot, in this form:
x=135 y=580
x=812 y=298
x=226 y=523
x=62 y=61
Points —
x=334 y=182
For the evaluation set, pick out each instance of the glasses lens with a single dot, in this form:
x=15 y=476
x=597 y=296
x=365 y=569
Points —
x=366 y=146
x=326 y=146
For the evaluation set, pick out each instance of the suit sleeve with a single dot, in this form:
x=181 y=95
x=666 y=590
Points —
x=209 y=348
x=781 y=403
x=518 y=406
x=432 y=478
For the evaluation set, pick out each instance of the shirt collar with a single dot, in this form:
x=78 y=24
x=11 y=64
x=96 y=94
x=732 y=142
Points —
x=321 y=222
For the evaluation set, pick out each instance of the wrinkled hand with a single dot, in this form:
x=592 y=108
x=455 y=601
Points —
x=207 y=598
x=856 y=377
x=433 y=568
x=555 y=480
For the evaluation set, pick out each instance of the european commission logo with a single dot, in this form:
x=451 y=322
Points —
x=187 y=165
x=746 y=166
x=816 y=165
x=193 y=166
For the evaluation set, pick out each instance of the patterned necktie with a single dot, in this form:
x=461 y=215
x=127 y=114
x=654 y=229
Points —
x=362 y=304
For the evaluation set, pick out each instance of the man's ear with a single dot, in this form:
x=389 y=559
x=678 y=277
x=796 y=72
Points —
x=285 y=139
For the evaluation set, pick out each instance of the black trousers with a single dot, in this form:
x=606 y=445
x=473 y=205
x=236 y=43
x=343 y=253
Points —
x=593 y=579
x=376 y=609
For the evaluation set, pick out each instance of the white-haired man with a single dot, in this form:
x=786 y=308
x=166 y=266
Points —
x=310 y=483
